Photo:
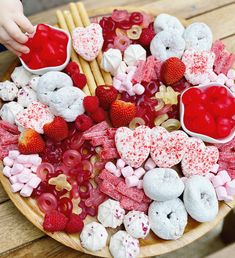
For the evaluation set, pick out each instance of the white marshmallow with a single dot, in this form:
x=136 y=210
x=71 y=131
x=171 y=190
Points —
x=16 y=187
x=26 y=191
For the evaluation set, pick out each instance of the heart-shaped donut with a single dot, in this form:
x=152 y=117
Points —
x=133 y=146
x=88 y=41
x=199 y=159
x=167 y=149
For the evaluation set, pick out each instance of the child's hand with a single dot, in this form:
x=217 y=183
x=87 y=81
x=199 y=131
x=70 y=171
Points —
x=12 y=20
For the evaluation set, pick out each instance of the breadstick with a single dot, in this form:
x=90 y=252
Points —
x=86 y=22
x=85 y=65
x=74 y=57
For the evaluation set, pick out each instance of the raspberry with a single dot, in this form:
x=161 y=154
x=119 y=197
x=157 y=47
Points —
x=83 y=123
x=146 y=37
x=91 y=103
x=72 y=68
x=54 y=221
x=79 y=80
x=74 y=225
x=99 y=115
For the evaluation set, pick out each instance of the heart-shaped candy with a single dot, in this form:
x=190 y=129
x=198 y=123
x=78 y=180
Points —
x=198 y=159
x=133 y=146
x=88 y=41
x=167 y=149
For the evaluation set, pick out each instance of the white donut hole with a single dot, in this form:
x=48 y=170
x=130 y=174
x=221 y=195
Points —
x=9 y=111
x=8 y=91
x=200 y=199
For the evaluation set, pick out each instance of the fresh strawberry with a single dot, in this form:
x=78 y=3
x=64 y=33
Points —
x=83 y=123
x=106 y=95
x=72 y=68
x=54 y=221
x=172 y=70
x=30 y=142
x=91 y=103
x=57 y=130
x=146 y=37
x=74 y=225
x=121 y=113
x=99 y=115
x=79 y=80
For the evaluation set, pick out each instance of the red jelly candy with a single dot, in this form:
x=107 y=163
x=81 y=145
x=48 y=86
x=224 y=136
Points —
x=65 y=206
x=136 y=18
x=84 y=189
x=191 y=95
x=47 y=202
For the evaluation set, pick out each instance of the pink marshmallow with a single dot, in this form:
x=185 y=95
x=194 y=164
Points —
x=232 y=88
x=213 y=77
x=27 y=165
x=7 y=171
x=117 y=84
x=127 y=171
x=16 y=187
x=128 y=85
x=34 y=169
x=209 y=176
x=131 y=68
x=230 y=187
x=110 y=167
x=120 y=163
x=131 y=181
x=221 y=193
x=24 y=177
x=13 y=154
x=215 y=168
x=17 y=168
x=221 y=78
x=14 y=179
x=231 y=74
x=149 y=164
x=23 y=159
x=26 y=191
x=8 y=162
x=117 y=173
x=131 y=92
x=138 y=89
x=229 y=82
x=139 y=172
x=217 y=181
x=35 y=160
x=130 y=75
x=140 y=184
x=34 y=181
x=225 y=176
x=121 y=76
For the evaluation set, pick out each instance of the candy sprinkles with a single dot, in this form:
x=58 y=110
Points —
x=144 y=153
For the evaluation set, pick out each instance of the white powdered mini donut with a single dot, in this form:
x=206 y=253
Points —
x=26 y=96
x=67 y=102
x=168 y=219
x=9 y=111
x=21 y=77
x=49 y=83
x=162 y=184
x=200 y=199
x=165 y=22
x=166 y=44
x=198 y=36
x=94 y=237
x=137 y=224
x=33 y=84
x=122 y=245
x=8 y=91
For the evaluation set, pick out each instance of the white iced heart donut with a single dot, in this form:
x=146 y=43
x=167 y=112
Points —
x=200 y=199
x=198 y=36
x=162 y=184
x=8 y=91
x=67 y=102
x=165 y=22
x=9 y=111
x=168 y=219
x=49 y=83
x=166 y=44
x=21 y=77
x=26 y=96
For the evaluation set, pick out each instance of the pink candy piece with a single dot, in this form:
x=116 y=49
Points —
x=7 y=171
x=127 y=171
x=131 y=181
x=215 y=168
x=13 y=154
x=140 y=184
x=117 y=173
x=229 y=82
x=213 y=77
x=138 y=89
x=26 y=191
x=110 y=167
x=221 y=193
x=23 y=159
x=132 y=69
x=117 y=84
x=230 y=187
x=120 y=163
x=24 y=177
x=127 y=84
x=14 y=179
x=16 y=187
x=221 y=78
x=8 y=162
x=121 y=77
x=149 y=164
x=34 y=181
x=231 y=74
x=34 y=169
x=225 y=176
x=217 y=181
x=209 y=176
x=139 y=172
x=17 y=168
x=35 y=160
x=130 y=75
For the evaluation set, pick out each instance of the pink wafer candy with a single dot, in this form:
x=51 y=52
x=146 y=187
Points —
x=139 y=172
x=110 y=167
x=209 y=176
x=229 y=82
x=231 y=74
x=13 y=154
x=26 y=191
x=23 y=159
x=16 y=187
x=17 y=168
x=127 y=171
x=14 y=179
x=230 y=187
x=120 y=163
x=221 y=193
x=8 y=162
x=149 y=164
x=140 y=184
x=215 y=168
x=7 y=171
x=217 y=181
x=34 y=181
x=225 y=176
x=221 y=78
x=25 y=176
x=138 y=89
x=131 y=181
x=35 y=160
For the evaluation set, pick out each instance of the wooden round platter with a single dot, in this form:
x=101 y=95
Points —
x=152 y=245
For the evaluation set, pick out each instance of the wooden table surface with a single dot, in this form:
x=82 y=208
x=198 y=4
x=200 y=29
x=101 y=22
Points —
x=19 y=238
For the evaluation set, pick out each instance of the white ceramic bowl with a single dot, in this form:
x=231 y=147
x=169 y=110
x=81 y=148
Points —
x=44 y=70
x=203 y=137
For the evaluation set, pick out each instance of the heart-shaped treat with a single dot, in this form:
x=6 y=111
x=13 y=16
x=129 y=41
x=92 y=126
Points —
x=133 y=146
x=199 y=159
x=88 y=41
x=167 y=149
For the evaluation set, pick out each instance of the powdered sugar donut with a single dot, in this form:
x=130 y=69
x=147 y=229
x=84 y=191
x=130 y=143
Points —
x=33 y=83
x=26 y=96
x=137 y=224
x=9 y=111
x=122 y=245
x=198 y=36
x=68 y=103
x=49 y=83
x=165 y=22
x=8 y=91
x=94 y=236
x=168 y=219
x=166 y=44
x=21 y=77
x=200 y=199
x=162 y=184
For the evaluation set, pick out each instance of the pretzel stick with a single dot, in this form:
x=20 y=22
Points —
x=85 y=65
x=93 y=64
x=74 y=57
x=86 y=22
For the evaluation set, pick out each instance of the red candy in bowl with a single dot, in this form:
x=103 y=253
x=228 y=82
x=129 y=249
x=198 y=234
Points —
x=50 y=50
x=208 y=112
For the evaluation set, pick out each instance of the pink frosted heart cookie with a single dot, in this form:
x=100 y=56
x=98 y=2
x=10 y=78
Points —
x=167 y=149
x=88 y=41
x=198 y=158
x=35 y=117
x=133 y=146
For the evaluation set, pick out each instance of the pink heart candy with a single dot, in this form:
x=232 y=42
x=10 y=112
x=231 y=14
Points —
x=133 y=146
x=88 y=41
x=199 y=159
x=167 y=149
